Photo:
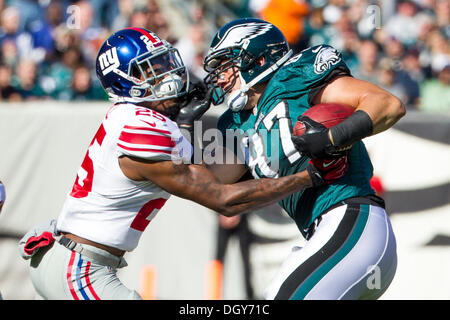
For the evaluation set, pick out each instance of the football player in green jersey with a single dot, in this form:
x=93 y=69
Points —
x=350 y=252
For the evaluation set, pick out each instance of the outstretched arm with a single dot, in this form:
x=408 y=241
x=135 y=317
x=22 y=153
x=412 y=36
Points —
x=197 y=183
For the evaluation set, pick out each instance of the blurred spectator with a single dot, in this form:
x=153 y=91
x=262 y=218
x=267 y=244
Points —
x=122 y=19
x=394 y=49
x=386 y=79
x=30 y=11
x=443 y=16
x=403 y=25
x=411 y=65
x=436 y=92
x=149 y=16
x=65 y=39
x=192 y=49
x=336 y=22
x=411 y=75
x=84 y=88
x=426 y=6
x=157 y=21
x=240 y=8
x=106 y=11
x=10 y=31
x=412 y=34
x=57 y=77
x=7 y=91
x=315 y=28
x=91 y=36
x=289 y=16
x=368 y=59
x=42 y=31
x=26 y=80
x=256 y=6
x=9 y=52
x=439 y=49
x=349 y=49
x=425 y=24
x=138 y=18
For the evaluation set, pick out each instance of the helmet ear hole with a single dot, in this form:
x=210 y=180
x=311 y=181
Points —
x=117 y=86
x=247 y=60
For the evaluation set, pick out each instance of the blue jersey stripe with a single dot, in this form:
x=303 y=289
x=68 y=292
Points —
x=79 y=283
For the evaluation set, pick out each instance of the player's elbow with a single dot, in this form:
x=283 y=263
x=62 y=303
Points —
x=228 y=209
x=389 y=110
x=396 y=108
x=228 y=206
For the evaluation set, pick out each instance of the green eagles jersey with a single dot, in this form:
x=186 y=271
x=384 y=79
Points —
x=265 y=140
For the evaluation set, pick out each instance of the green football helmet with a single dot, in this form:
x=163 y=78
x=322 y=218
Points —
x=240 y=43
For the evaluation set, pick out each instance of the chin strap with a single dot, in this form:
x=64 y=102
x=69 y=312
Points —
x=237 y=99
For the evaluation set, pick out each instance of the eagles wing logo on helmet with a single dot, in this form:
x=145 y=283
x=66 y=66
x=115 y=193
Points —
x=241 y=34
x=325 y=59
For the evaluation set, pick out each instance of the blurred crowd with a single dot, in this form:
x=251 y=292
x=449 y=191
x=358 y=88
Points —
x=402 y=46
x=48 y=47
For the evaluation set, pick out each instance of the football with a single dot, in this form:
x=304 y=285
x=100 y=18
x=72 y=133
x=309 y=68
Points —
x=328 y=114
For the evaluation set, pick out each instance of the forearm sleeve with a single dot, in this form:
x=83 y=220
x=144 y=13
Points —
x=354 y=128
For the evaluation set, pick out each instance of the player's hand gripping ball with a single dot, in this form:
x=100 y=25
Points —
x=311 y=136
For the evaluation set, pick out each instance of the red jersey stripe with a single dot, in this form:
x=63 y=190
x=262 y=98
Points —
x=140 y=222
x=88 y=281
x=143 y=149
x=69 y=276
x=147 y=139
x=146 y=129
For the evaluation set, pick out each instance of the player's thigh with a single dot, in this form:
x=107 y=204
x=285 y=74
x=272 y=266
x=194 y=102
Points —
x=58 y=273
x=366 y=267
x=47 y=272
x=350 y=242
x=380 y=242
x=302 y=261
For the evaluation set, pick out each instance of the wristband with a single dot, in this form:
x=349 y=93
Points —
x=354 y=128
x=316 y=177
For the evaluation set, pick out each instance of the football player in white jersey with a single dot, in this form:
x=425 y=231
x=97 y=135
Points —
x=136 y=160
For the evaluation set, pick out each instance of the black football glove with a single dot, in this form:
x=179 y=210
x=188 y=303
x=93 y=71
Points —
x=315 y=142
x=196 y=104
x=315 y=175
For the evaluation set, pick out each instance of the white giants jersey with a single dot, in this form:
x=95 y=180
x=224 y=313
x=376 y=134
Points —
x=105 y=206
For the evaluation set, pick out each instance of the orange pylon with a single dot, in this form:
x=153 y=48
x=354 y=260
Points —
x=148 y=282
x=213 y=280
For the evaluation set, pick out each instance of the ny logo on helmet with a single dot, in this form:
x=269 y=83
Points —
x=109 y=61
